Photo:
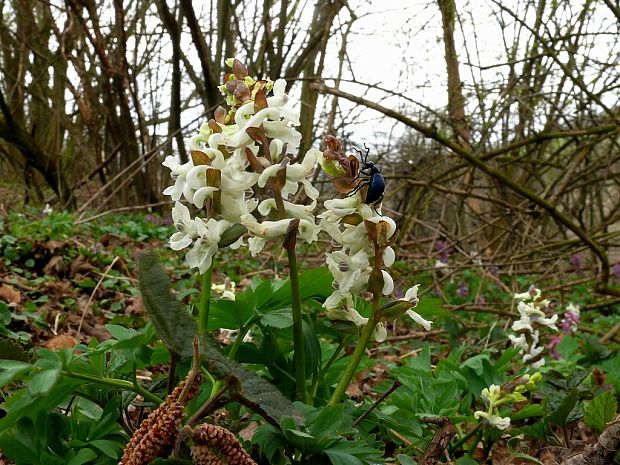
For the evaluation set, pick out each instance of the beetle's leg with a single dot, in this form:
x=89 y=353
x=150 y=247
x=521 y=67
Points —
x=377 y=202
x=358 y=187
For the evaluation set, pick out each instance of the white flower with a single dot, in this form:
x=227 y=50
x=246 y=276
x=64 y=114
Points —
x=492 y=393
x=389 y=256
x=532 y=315
x=419 y=320
x=202 y=194
x=256 y=245
x=186 y=227
x=178 y=173
x=388 y=283
x=226 y=290
x=349 y=271
x=380 y=333
x=494 y=420
x=346 y=311
x=411 y=296
x=292 y=210
x=206 y=246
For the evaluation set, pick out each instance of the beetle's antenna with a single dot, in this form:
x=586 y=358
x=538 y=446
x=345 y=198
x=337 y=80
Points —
x=367 y=152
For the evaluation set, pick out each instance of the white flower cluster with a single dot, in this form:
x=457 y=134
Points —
x=532 y=316
x=353 y=262
x=510 y=393
x=228 y=161
x=493 y=397
x=226 y=290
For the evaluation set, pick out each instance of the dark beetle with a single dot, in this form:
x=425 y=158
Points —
x=372 y=178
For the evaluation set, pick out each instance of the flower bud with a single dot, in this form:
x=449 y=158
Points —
x=232 y=235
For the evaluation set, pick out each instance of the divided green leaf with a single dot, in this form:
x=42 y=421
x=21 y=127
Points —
x=600 y=411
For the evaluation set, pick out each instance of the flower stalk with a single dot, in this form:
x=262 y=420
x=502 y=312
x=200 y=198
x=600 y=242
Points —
x=299 y=356
x=205 y=298
x=358 y=353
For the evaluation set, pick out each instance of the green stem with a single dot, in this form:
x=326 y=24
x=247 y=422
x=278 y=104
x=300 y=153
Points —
x=330 y=362
x=117 y=383
x=465 y=438
x=205 y=298
x=237 y=342
x=299 y=357
x=356 y=357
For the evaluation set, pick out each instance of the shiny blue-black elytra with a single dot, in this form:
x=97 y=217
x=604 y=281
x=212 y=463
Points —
x=372 y=178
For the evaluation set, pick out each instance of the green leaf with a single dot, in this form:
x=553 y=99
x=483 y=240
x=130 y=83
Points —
x=83 y=456
x=263 y=292
x=11 y=369
x=19 y=442
x=527 y=458
x=120 y=332
x=300 y=438
x=405 y=459
x=271 y=442
x=562 y=415
x=23 y=403
x=109 y=448
x=312 y=348
x=42 y=382
x=528 y=411
x=279 y=319
x=174 y=326
x=431 y=307
x=229 y=314
x=466 y=461
x=539 y=430
x=600 y=411
x=5 y=314
x=568 y=348
x=340 y=457
x=326 y=420
x=348 y=453
x=312 y=283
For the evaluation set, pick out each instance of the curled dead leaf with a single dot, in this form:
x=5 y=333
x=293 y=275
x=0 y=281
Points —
x=9 y=294
x=62 y=341
x=54 y=266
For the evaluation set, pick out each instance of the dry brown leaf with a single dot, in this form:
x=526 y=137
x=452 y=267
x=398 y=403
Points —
x=134 y=306
x=9 y=294
x=80 y=266
x=52 y=246
x=58 y=289
x=62 y=341
x=54 y=266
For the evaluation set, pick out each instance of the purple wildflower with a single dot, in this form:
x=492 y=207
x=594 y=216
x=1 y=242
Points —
x=552 y=346
x=443 y=249
x=463 y=290
x=575 y=261
x=571 y=319
x=615 y=272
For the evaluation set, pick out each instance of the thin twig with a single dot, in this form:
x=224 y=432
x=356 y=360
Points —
x=393 y=388
x=92 y=295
